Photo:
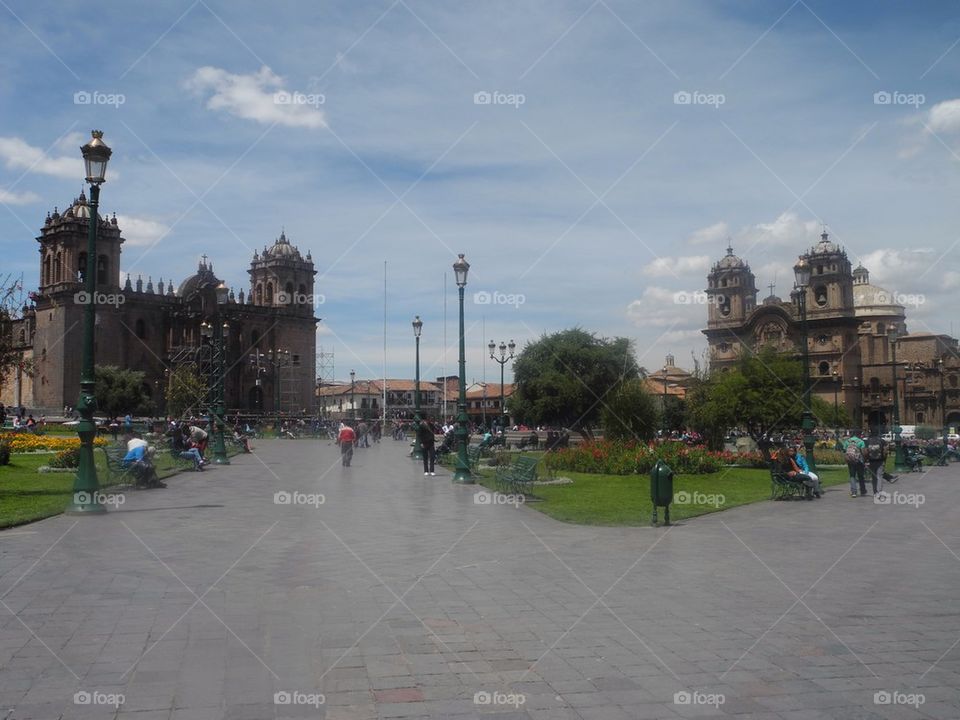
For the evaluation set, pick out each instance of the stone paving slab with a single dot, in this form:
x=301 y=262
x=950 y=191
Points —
x=399 y=597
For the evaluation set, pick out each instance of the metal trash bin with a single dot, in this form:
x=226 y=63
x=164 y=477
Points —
x=661 y=490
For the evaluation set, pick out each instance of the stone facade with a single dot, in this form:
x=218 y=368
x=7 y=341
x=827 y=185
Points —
x=155 y=328
x=848 y=328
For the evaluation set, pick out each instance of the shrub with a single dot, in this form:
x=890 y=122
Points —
x=4 y=451
x=628 y=458
x=66 y=458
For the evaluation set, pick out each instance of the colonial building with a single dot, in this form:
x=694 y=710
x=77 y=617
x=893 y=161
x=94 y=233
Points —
x=153 y=327
x=850 y=346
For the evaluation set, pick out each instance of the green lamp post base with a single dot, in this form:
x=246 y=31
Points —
x=89 y=508
x=464 y=477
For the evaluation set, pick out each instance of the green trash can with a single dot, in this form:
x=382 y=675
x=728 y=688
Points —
x=661 y=490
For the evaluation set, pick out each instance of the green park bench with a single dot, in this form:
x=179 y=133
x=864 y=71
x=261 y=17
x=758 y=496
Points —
x=518 y=476
x=783 y=487
x=117 y=472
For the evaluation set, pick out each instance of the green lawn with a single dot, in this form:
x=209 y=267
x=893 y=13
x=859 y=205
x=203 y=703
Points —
x=26 y=495
x=625 y=499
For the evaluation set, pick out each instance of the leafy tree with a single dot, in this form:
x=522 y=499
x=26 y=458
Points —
x=11 y=307
x=710 y=419
x=186 y=390
x=565 y=378
x=824 y=415
x=630 y=413
x=120 y=391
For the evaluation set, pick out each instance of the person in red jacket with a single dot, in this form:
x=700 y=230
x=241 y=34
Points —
x=346 y=439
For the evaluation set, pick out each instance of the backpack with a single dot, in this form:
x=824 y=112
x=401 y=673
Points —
x=875 y=450
x=853 y=452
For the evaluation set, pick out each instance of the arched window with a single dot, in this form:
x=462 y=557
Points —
x=289 y=292
x=46 y=270
x=874 y=385
x=258 y=294
x=103 y=264
x=824 y=368
x=302 y=289
x=953 y=381
x=141 y=329
x=82 y=267
x=56 y=268
x=919 y=418
x=23 y=337
x=269 y=298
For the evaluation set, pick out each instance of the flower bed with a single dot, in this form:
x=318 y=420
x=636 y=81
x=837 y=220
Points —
x=28 y=442
x=618 y=458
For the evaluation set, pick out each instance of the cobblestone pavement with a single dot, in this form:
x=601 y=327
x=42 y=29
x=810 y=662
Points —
x=401 y=597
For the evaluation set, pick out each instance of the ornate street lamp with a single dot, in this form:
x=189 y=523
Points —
x=462 y=473
x=664 y=423
x=218 y=366
x=501 y=361
x=943 y=411
x=836 y=404
x=86 y=499
x=417 y=448
x=898 y=460
x=278 y=359
x=858 y=419
x=353 y=407
x=802 y=275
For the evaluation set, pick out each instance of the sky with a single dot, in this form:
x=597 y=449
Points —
x=591 y=159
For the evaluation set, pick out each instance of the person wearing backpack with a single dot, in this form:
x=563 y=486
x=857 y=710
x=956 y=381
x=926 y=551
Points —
x=876 y=455
x=853 y=453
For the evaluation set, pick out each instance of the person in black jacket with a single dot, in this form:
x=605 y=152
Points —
x=427 y=441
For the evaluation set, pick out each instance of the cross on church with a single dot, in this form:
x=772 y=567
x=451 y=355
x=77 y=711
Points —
x=771 y=286
x=203 y=259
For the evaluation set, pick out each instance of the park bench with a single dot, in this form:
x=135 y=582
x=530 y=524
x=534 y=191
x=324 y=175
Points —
x=474 y=453
x=181 y=463
x=118 y=473
x=518 y=476
x=783 y=487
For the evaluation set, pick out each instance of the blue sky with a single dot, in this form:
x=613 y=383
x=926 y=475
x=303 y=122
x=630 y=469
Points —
x=584 y=188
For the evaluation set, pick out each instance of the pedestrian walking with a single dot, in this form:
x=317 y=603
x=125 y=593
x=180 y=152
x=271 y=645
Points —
x=427 y=438
x=853 y=453
x=346 y=439
x=876 y=456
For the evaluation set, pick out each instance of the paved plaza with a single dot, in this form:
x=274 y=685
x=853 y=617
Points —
x=399 y=596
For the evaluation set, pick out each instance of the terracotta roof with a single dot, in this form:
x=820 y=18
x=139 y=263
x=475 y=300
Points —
x=493 y=391
x=655 y=387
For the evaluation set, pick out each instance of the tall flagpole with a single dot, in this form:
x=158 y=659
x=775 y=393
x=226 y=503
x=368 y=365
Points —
x=384 y=401
x=444 y=348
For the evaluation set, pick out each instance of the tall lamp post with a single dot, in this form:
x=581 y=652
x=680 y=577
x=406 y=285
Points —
x=898 y=460
x=86 y=500
x=221 y=331
x=462 y=473
x=663 y=425
x=858 y=419
x=501 y=361
x=943 y=411
x=802 y=275
x=836 y=404
x=353 y=407
x=417 y=448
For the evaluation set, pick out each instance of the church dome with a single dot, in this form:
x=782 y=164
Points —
x=283 y=249
x=203 y=276
x=730 y=261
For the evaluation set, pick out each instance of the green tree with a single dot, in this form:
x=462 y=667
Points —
x=186 y=390
x=630 y=413
x=565 y=378
x=763 y=394
x=120 y=391
x=824 y=415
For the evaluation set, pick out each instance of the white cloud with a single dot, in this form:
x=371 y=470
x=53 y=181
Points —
x=660 y=307
x=951 y=280
x=680 y=265
x=260 y=96
x=900 y=267
x=17 y=154
x=139 y=231
x=13 y=198
x=788 y=230
x=710 y=235
x=945 y=116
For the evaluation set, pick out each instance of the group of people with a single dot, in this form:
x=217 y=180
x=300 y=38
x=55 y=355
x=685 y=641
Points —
x=794 y=465
x=189 y=442
x=22 y=420
x=139 y=460
x=865 y=455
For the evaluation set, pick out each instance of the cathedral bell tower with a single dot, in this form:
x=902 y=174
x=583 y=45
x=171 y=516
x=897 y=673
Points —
x=282 y=277
x=731 y=292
